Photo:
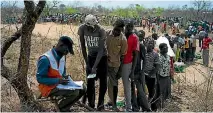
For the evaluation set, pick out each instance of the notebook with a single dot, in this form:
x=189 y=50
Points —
x=72 y=85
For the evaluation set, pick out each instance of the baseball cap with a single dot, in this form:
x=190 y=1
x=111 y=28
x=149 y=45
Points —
x=119 y=23
x=91 y=20
x=67 y=41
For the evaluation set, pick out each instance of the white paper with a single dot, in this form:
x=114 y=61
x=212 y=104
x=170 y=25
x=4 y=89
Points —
x=177 y=64
x=72 y=85
x=91 y=76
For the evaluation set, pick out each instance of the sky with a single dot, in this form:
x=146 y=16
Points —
x=126 y=3
x=123 y=3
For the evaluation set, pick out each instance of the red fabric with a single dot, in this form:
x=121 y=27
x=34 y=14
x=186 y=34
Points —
x=206 y=42
x=164 y=25
x=133 y=44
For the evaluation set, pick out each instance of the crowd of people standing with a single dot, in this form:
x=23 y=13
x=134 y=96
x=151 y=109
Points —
x=122 y=53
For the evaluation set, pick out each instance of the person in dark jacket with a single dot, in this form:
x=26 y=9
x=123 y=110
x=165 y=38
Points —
x=151 y=68
x=140 y=100
x=171 y=43
x=94 y=36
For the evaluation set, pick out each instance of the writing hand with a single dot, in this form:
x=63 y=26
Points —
x=63 y=81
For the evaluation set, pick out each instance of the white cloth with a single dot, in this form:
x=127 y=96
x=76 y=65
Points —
x=190 y=28
x=176 y=25
x=202 y=33
x=163 y=39
x=53 y=62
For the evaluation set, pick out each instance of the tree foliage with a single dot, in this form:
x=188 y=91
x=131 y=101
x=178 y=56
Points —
x=70 y=10
x=133 y=11
x=50 y=5
x=159 y=11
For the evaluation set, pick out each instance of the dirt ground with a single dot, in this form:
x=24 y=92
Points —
x=186 y=91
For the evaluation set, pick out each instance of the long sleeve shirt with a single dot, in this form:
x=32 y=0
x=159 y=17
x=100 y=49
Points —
x=141 y=58
x=42 y=70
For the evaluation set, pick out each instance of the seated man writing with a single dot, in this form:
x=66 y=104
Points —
x=51 y=71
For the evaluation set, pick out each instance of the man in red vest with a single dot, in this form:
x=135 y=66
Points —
x=51 y=71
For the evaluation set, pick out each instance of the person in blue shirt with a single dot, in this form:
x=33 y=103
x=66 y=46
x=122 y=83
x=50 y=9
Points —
x=51 y=71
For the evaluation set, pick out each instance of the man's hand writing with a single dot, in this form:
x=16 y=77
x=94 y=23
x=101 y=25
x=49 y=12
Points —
x=63 y=81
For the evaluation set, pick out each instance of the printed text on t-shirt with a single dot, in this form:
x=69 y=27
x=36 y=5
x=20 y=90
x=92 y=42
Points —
x=92 y=41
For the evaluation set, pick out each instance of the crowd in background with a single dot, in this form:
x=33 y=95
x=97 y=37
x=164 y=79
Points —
x=123 y=52
x=147 y=62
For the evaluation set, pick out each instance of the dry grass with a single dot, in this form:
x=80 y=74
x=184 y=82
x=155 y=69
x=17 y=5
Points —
x=189 y=94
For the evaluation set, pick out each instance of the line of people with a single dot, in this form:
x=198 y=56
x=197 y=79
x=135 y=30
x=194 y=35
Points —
x=118 y=53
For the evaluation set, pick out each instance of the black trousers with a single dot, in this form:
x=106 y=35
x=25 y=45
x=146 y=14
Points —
x=139 y=100
x=188 y=54
x=70 y=97
x=193 y=52
x=153 y=91
x=200 y=42
x=102 y=76
x=165 y=87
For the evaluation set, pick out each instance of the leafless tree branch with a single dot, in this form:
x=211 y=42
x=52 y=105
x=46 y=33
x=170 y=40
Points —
x=55 y=2
x=8 y=43
x=5 y=72
x=40 y=7
x=30 y=6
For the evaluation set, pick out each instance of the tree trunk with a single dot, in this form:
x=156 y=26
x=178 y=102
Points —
x=19 y=80
x=25 y=95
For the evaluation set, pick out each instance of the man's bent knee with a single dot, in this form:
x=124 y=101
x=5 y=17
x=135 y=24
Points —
x=83 y=91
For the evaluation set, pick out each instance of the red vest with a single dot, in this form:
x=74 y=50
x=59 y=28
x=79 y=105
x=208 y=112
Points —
x=55 y=71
